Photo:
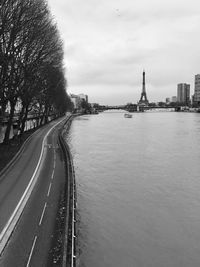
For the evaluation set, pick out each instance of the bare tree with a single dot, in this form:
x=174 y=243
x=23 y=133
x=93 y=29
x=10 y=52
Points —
x=31 y=53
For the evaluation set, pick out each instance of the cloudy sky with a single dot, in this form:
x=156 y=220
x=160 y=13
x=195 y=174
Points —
x=108 y=43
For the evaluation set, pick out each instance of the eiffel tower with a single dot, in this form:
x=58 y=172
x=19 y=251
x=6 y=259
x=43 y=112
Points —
x=143 y=98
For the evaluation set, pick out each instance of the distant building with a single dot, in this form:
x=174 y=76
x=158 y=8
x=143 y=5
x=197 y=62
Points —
x=193 y=100
x=183 y=93
x=84 y=97
x=78 y=99
x=174 y=99
x=196 y=97
x=167 y=100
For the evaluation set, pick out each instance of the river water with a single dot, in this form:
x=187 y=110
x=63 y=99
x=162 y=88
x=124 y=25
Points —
x=138 y=189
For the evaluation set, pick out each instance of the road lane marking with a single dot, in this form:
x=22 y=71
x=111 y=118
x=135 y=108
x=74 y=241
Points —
x=41 y=218
x=10 y=225
x=52 y=175
x=49 y=189
x=31 y=253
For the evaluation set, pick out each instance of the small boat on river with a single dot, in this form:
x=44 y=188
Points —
x=127 y=115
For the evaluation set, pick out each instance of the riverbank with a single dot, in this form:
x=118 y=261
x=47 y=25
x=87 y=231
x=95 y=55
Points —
x=68 y=202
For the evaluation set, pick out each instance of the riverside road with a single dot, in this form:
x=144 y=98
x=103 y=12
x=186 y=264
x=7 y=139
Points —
x=29 y=195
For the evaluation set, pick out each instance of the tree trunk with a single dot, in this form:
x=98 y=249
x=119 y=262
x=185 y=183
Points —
x=42 y=119
x=21 y=116
x=24 y=120
x=47 y=115
x=10 y=120
x=3 y=109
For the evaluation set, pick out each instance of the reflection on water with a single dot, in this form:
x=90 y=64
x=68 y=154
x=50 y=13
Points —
x=138 y=189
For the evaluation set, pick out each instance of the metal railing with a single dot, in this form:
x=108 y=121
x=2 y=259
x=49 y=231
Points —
x=69 y=249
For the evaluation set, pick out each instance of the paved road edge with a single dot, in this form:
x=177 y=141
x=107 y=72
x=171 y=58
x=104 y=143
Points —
x=10 y=225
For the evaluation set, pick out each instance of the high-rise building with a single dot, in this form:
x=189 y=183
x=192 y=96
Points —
x=183 y=93
x=197 y=89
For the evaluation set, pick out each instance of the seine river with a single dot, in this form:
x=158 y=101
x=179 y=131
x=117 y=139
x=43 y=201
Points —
x=138 y=189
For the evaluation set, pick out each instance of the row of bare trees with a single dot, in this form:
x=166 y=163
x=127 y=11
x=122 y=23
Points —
x=31 y=62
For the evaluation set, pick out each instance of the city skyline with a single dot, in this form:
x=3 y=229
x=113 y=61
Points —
x=107 y=45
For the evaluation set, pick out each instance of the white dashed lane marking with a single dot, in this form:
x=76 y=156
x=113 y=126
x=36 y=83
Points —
x=31 y=253
x=49 y=190
x=42 y=215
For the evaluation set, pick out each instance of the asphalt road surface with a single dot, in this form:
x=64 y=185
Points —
x=29 y=194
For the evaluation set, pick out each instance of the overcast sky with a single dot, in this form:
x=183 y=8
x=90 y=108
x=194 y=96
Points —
x=108 y=43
